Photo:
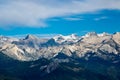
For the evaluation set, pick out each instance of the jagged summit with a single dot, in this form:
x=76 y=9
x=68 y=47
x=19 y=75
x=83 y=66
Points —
x=117 y=33
x=94 y=34
x=74 y=36
x=3 y=38
x=29 y=36
x=91 y=34
x=33 y=48
x=104 y=34
x=69 y=38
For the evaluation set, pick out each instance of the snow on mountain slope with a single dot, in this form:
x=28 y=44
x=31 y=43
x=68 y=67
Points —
x=7 y=39
x=33 y=48
x=70 y=38
x=116 y=37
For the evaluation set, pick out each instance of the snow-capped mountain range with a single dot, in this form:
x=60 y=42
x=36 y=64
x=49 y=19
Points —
x=32 y=48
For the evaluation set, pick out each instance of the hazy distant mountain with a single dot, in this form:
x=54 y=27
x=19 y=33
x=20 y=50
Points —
x=90 y=57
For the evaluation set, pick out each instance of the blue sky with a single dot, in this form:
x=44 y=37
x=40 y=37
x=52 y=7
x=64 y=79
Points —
x=19 y=17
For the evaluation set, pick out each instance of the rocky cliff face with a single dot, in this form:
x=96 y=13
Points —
x=33 y=48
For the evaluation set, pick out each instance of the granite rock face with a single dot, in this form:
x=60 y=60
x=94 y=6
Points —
x=32 y=48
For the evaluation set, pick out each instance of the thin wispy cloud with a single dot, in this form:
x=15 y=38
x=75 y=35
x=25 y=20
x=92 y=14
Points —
x=22 y=36
x=34 y=13
x=73 y=19
x=101 y=18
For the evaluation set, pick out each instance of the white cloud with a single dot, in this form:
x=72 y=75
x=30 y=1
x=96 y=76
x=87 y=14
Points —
x=101 y=18
x=34 y=12
x=73 y=19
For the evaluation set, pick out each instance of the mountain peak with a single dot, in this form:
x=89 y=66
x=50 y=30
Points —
x=91 y=34
x=118 y=33
x=74 y=36
x=34 y=47
x=104 y=34
x=29 y=36
x=69 y=38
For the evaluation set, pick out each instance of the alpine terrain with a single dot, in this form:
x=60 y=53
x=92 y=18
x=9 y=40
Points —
x=90 y=57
